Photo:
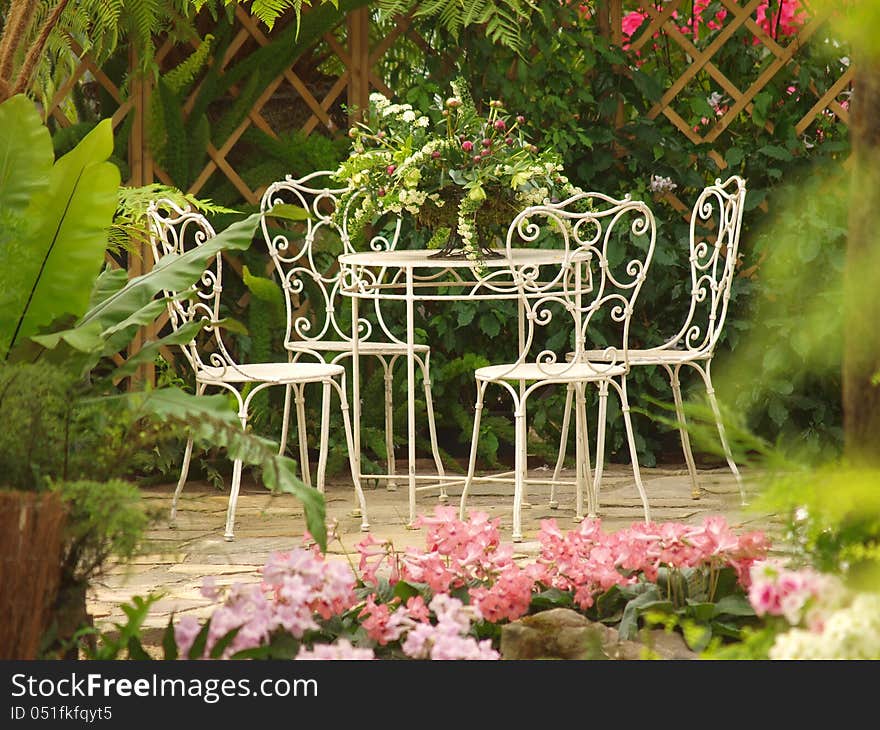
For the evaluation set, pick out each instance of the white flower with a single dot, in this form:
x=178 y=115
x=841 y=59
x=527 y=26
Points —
x=409 y=116
x=422 y=122
x=661 y=184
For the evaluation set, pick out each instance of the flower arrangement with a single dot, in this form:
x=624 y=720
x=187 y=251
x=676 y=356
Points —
x=449 y=601
x=464 y=175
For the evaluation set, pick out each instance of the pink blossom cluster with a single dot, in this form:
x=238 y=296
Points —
x=458 y=553
x=589 y=561
x=795 y=594
x=448 y=639
x=784 y=19
x=384 y=625
x=296 y=586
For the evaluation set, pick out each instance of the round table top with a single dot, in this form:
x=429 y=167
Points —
x=421 y=258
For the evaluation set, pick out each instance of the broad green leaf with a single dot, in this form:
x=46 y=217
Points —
x=404 y=591
x=735 y=604
x=62 y=256
x=150 y=350
x=701 y=610
x=26 y=154
x=169 y=642
x=26 y=158
x=108 y=282
x=289 y=212
x=629 y=622
x=172 y=273
x=218 y=648
x=265 y=290
x=197 y=650
x=84 y=339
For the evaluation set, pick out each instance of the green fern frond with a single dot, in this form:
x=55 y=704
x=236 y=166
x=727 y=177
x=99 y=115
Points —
x=181 y=77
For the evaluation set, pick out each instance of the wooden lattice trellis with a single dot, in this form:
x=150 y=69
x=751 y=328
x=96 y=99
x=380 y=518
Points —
x=739 y=16
x=350 y=43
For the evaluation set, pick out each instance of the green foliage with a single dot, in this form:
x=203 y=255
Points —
x=129 y=222
x=68 y=435
x=105 y=519
x=58 y=229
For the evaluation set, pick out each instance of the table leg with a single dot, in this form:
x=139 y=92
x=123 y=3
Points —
x=356 y=386
x=521 y=334
x=410 y=393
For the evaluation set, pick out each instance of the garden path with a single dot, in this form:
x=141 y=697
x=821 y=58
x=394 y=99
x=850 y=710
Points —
x=178 y=560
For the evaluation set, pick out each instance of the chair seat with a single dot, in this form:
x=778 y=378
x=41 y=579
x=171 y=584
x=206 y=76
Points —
x=366 y=347
x=555 y=372
x=646 y=357
x=280 y=372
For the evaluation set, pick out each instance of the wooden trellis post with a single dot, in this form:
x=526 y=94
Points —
x=359 y=47
x=141 y=166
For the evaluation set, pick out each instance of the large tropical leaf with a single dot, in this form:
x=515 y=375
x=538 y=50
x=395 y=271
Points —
x=173 y=273
x=61 y=254
x=25 y=163
x=120 y=311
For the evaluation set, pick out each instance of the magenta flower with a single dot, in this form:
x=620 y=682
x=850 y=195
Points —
x=467 y=145
x=500 y=125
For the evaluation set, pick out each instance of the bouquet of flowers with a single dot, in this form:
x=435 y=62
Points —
x=463 y=174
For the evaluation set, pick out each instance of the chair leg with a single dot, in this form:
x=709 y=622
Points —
x=713 y=402
x=303 y=434
x=432 y=424
x=391 y=485
x=184 y=472
x=600 y=448
x=472 y=458
x=583 y=466
x=521 y=467
x=631 y=439
x=563 y=444
x=285 y=423
x=352 y=462
x=325 y=436
x=236 y=485
x=675 y=382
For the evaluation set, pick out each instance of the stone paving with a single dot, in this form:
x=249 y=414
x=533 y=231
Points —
x=177 y=560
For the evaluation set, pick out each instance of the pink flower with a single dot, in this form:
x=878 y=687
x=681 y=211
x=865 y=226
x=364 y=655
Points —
x=467 y=145
x=185 y=632
x=417 y=609
x=632 y=21
x=508 y=598
x=341 y=650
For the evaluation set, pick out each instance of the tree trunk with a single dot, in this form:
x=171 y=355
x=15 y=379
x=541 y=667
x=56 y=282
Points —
x=861 y=360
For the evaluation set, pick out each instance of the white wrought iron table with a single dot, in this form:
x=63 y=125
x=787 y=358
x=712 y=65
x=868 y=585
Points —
x=414 y=276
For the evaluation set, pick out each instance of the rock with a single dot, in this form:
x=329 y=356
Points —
x=559 y=633
x=562 y=633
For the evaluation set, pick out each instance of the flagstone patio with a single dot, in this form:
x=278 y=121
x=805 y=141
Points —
x=177 y=560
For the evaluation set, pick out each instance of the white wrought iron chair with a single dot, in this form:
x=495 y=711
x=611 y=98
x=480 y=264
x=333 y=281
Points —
x=582 y=288
x=715 y=225
x=313 y=328
x=174 y=230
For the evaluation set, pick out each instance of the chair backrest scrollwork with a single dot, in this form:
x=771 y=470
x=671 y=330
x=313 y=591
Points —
x=715 y=226
x=176 y=230
x=305 y=257
x=603 y=247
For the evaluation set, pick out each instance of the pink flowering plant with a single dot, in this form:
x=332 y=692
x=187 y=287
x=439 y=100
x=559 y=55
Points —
x=450 y=600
